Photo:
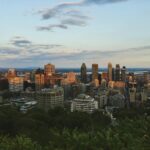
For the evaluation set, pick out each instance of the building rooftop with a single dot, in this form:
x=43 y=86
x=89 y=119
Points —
x=52 y=90
x=84 y=97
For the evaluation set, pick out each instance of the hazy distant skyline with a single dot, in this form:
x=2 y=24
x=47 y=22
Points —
x=69 y=32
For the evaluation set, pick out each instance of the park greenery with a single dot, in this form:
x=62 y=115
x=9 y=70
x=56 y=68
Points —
x=59 y=129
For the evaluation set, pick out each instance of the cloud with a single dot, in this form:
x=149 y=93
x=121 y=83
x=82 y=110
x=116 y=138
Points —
x=68 y=13
x=74 y=22
x=39 y=54
x=51 y=27
x=20 y=48
x=71 y=17
x=8 y=51
x=20 y=42
x=100 y=2
x=58 y=9
x=54 y=11
x=63 y=24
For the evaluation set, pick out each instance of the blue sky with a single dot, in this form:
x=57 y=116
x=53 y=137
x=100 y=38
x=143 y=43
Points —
x=69 y=32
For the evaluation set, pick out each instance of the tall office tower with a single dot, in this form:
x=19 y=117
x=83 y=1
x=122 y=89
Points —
x=94 y=72
x=117 y=72
x=11 y=73
x=39 y=80
x=113 y=74
x=110 y=72
x=49 y=70
x=83 y=73
x=123 y=73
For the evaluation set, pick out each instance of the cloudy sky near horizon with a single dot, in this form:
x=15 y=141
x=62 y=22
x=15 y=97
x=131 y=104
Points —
x=69 y=32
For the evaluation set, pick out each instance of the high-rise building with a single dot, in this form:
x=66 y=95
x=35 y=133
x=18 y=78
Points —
x=27 y=76
x=16 y=84
x=94 y=72
x=49 y=70
x=123 y=73
x=117 y=74
x=70 y=78
x=50 y=98
x=39 y=80
x=110 y=71
x=146 y=77
x=83 y=73
x=33 y=76
x=104 y=75
x=132 y=92
x=113 y=74
x=11 y=73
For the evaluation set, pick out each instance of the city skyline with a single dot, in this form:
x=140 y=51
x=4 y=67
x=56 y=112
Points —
x=69 y=32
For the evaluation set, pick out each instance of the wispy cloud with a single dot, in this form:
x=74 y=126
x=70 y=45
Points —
x=70 y=13
x=51 y=27
x=20 y=42
x=19 y=48
x=100 y=2
x=74 y=22
x=71 y=17
x=39 y=54
x=56 y=10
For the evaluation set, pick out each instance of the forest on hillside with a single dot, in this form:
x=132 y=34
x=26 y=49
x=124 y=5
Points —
x=62 y=130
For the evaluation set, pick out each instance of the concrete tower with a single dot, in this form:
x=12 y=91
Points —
x=83 y=73
x=109 y=71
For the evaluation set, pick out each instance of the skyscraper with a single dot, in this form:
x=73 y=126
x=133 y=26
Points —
x=49 y=69
x=94 y=72
x=83 y=73
x=12 y=73
x=109 y=71
x=39 y=79
x=117 y=74
x=113 y=74
x=123 y=73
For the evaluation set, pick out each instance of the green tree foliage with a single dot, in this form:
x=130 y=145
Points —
x=18 y=143
x=62 y=130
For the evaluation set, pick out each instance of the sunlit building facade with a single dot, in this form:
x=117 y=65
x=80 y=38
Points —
x=94 y=72
x=16 y=84
x=110 y=71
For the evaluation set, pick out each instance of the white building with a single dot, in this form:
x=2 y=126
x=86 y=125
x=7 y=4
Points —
x=16 y=84
x=84 y=103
